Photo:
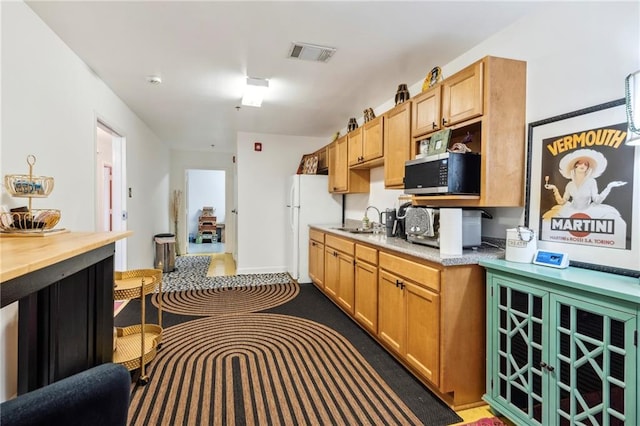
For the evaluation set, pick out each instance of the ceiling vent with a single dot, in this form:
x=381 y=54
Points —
x=311 y=52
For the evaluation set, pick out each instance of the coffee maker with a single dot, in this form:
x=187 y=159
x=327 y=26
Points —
x=401 y=230
x=389 y=221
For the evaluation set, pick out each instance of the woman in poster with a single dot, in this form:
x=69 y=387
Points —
x=581 y=195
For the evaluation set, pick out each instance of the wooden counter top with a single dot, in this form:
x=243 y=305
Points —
x=21 y=255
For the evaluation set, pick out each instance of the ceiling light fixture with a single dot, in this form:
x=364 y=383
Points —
x=154 y=79
x=254 y=91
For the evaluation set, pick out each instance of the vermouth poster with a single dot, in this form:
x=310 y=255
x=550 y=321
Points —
x=586 y=194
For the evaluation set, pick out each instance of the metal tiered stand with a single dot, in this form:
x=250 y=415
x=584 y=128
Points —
x=136 y=345
x=26 y=220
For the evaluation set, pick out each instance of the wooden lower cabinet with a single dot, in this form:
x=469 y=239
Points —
x=422 y=349
x=430 y=317
x=365 y=309
x=410 y=324
x=339 y=271
x=391 y=324
x=316 y=257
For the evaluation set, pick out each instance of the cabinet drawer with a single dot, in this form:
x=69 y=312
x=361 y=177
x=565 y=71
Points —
x=367 y=254
x=339 y=244
x=416 y=272
x=316 y=235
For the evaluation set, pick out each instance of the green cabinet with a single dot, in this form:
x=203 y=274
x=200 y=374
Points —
x=559 y=351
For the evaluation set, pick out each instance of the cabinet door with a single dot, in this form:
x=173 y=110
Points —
x=423 y=331
x=462 y=95
x=592 y=364
x=345 y=291
x=372 y=141
x=355 y=146
x=331 y=272
x=366 y=295
x=516 y=346
x=316 y=262
x=331 y=161
x=341 y=175
x=426 y=112
x=397 y=144
x=391 y=318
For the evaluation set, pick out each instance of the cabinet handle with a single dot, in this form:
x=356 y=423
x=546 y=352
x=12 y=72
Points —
x=433 y=124
x=546 y=366
x=444 y=121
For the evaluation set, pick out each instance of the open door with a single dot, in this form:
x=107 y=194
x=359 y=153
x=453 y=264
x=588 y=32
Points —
x=111 y=214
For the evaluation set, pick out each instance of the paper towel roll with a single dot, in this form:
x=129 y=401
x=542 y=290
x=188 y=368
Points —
x=451 y=231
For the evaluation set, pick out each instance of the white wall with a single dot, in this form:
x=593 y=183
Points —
x=262 y=182
x=50 y=104
x=577 y=54
x=181 y=161
x=205 y=188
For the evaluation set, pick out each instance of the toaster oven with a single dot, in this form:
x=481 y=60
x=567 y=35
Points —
x=422 y=225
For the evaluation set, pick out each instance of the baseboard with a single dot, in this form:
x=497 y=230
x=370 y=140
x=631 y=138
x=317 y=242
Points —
x=271 y=270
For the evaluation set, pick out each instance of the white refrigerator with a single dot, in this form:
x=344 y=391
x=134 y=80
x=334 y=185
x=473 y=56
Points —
x=308 y=202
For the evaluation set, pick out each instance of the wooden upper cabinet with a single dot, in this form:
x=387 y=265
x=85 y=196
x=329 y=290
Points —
x=397 y=144
x=463 y=95
x=426 y=114
x=338 y=166
x=485 y=102
x=355 y=146
x=372 y=139
x=342 y=180
x=366 y=144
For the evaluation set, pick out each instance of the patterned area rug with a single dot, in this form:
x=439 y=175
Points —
x=226 y=300
x=263 y=369
x=191 y=274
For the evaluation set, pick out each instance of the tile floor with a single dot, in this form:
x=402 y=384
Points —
x=207 y=248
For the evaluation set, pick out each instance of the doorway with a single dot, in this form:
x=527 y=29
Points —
x=110 y=183
x=205 y=189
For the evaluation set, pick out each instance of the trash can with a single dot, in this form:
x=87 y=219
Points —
x=165 y=252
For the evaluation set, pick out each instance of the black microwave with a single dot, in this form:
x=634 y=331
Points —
x=447 y=173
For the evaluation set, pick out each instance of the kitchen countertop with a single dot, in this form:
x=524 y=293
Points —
x=22 y=255
x=432 y=254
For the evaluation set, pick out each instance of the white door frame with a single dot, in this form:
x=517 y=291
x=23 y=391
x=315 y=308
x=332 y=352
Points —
x=118 y=200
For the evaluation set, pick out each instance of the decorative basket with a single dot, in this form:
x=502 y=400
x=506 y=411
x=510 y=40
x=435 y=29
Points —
x=129 y=283
x=28 y=186
x=128 y=344
x=29 y=221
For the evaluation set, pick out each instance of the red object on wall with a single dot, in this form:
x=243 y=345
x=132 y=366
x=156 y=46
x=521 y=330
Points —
x=257 y=146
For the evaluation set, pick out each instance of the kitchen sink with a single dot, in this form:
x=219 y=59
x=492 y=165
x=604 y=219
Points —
x=355 y=230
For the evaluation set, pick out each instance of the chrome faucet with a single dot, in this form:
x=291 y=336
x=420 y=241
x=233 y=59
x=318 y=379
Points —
x=365 y=221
